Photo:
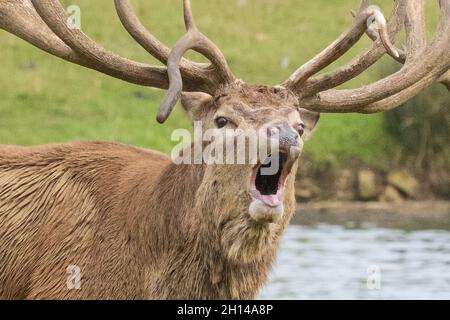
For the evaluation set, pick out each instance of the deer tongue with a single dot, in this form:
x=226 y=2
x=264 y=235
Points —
x=272 y=200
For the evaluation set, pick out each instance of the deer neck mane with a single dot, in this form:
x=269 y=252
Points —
x=209 y=235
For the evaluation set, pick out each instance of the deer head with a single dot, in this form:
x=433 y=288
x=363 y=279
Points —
x=213 y=95
x=260 y=131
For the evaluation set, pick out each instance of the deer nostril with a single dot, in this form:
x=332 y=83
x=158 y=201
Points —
x=286 y=134
x=301 y=130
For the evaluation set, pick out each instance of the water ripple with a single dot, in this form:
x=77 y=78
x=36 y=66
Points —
x=332 y=262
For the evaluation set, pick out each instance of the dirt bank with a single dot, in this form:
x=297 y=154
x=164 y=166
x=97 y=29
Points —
x=409 y=215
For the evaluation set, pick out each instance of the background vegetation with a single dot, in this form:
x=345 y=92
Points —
x=44 y=99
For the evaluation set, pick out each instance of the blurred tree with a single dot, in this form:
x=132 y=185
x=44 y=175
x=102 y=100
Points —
x=422 y=128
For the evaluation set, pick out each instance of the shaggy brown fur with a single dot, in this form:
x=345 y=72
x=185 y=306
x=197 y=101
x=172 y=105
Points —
x=137 y=225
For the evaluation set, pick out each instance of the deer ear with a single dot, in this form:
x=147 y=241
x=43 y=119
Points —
x=310 y=119
x=194 y=102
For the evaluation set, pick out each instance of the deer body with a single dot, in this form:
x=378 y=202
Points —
x=139 y=226
x=135 y=224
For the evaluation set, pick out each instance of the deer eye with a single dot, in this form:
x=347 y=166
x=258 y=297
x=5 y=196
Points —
x=221 y=122
x=301 y=129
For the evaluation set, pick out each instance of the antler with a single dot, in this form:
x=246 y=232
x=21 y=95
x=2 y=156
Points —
x=43 y=23
x=192 y=40
x=424 y=63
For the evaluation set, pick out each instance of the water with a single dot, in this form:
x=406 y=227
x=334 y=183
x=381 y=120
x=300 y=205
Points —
x=332 y=262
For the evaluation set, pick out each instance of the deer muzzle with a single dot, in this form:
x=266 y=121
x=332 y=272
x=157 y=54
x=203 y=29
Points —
x=269 y=175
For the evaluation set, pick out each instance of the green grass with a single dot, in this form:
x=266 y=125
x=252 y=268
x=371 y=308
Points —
x=44 y=99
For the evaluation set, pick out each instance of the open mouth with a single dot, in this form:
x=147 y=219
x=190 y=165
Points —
x=268 y=179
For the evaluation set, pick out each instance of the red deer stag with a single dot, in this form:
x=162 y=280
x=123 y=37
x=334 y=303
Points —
x=137 y=225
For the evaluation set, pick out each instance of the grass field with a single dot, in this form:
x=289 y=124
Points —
x=44 y=99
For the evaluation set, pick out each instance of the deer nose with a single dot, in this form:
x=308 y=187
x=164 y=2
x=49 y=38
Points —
x=287 y=137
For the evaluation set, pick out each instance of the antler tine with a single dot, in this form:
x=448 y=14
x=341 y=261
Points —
x=22 y=20
x=152 y=44
x=391 y=91
x=206 y=47
x=137 y=30
x=192 y=40
x=384 y=35
x=189 y=21
x=55 y=17
x=399 y=98
x=374 y=36
x=344 y=43
x=358 y=64
x=415 y=28
x=370 y=32
x=443 y=28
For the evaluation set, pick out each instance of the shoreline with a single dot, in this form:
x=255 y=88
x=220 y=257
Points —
x=407 y=215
